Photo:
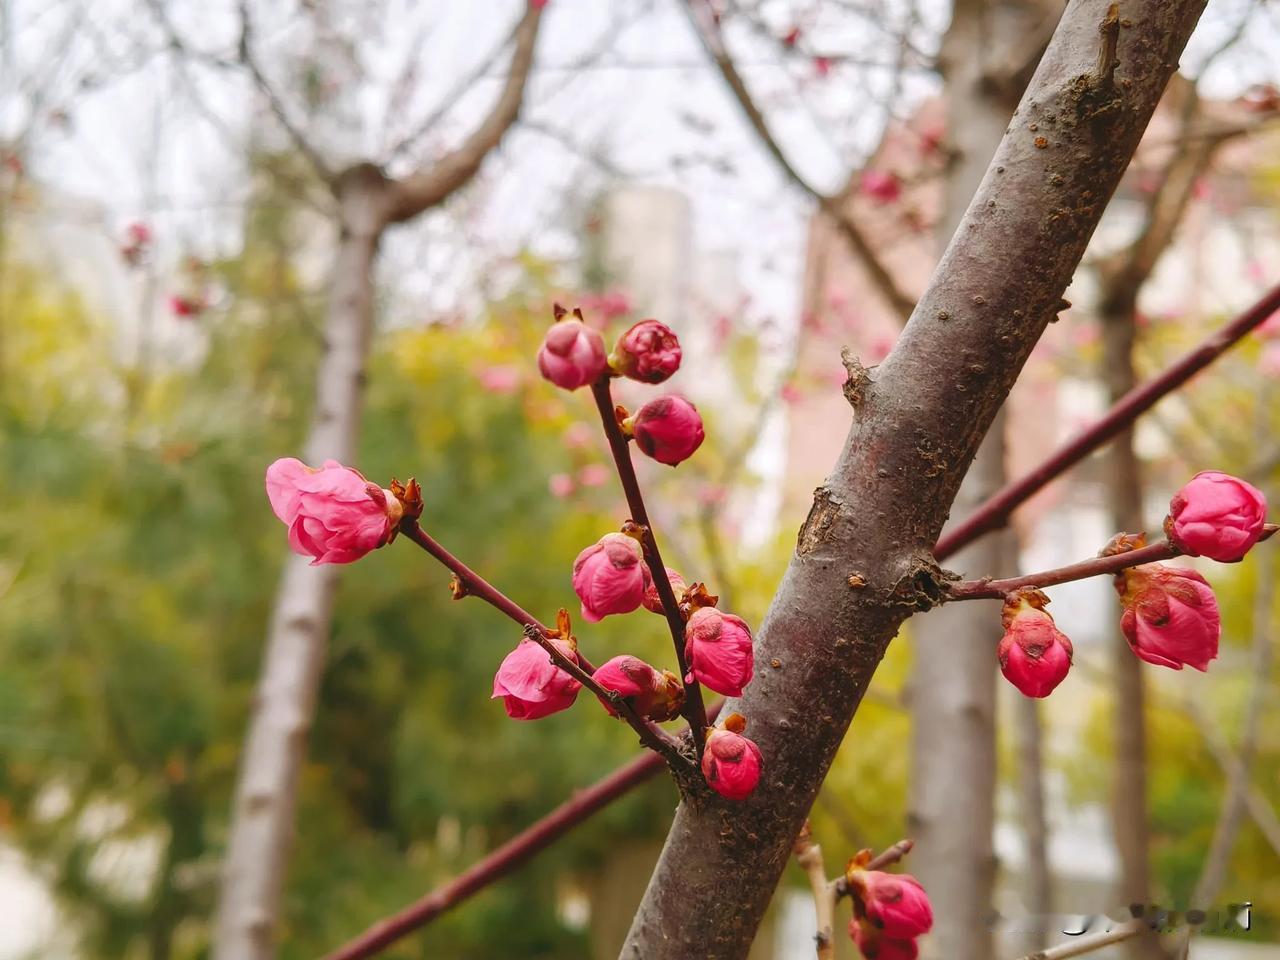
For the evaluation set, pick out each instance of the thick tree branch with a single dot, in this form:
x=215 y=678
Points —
x=430 y=187
x=832 y=206
x=694 y=710
x=917 y=427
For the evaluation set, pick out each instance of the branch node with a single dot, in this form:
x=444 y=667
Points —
x=859 y=382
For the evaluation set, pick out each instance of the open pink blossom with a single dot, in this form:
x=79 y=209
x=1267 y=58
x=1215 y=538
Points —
x=1217 y=516
x=572 y=354
x=654 y=694
x=500 y=378
x=892 y=903
x=560 y=485
x=609 y=577
x=731 y=762
x=1170 y=615
x=333 y=514
x=718 y=648
x=648 y=352
x=531 y=685
x=652 y=601
x=1034 y=654
x=669 y=429
x=873 y=945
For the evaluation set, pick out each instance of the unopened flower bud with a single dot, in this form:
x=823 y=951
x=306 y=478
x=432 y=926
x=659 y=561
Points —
x=572 y=355
x=669 y=429
x=654 y=694
x=333 y=514
x=648 y=352
x=609 y=577
x=1217 y=516
x=731 y=762
x=1034 y=654
x=1170 y=615
x=652 y=601
x=531 y=685
x=719 y=651
x=893 y=904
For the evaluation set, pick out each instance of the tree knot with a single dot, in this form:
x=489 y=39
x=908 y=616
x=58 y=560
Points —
x=859 y=382
x=922 y=585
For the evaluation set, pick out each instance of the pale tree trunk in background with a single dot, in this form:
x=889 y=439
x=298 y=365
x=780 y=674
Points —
x=1038 y=880
x=263 y=814
x=918 y=421
x=1129 y=719
x=953 y=684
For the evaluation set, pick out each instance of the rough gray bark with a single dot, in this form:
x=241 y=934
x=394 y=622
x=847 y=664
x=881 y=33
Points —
x=917 y=425
x=262 y=817
x=261 y=831
x=953 y=733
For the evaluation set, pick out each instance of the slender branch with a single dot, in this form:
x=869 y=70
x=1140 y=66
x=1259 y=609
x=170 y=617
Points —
x=1076 y=948
x=995 y=512
x=901 y=302
x=432 y=185
x=988 y=589
x=809 y=856
x=245 y=53
x=651 y=735
x=694 y=709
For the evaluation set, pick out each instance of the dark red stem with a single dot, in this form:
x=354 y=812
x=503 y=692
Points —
x=995 y=512
x=695 y=711
x=988 y=589
x=506 y=858
x=651 y=735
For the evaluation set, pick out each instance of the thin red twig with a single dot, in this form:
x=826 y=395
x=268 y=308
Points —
x=988 y=589
x=650 y=733
x=695 y=711
x=506 y=858
x=995 y=512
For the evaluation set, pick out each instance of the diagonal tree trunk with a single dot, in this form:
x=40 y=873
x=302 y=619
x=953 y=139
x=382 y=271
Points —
x=953 y=734
x=917 y=426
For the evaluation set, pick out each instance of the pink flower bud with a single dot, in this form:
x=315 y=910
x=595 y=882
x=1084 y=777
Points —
x=648 y=352
x=333 y=514
x=718 y=648
x=1217 y=516
x=731 y=763
x=874 y=946
x=572 y=355
x=651 y=600
x=653 y=694
x=1170 y=615
x=609 y=577
x=893 y=904
x=882 y=186
x=1034 y=654
x=530 y=685
x=668 y=429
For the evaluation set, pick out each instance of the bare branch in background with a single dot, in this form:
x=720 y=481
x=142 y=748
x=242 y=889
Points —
x=833 y=206
x=429 y=186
